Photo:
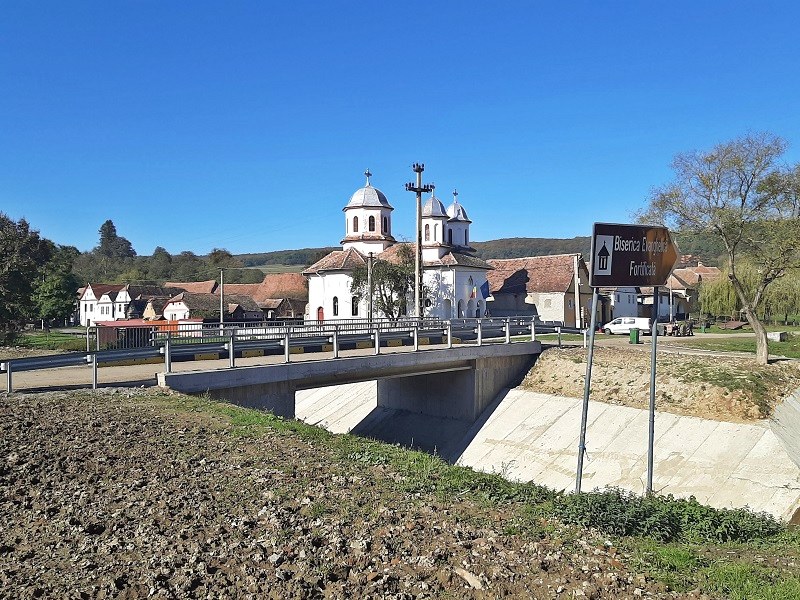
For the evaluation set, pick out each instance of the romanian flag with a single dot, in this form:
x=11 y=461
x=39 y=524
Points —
x=474 y=293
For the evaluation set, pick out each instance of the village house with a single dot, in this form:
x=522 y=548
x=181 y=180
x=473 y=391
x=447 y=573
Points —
x=188 y=305
x=554 y=288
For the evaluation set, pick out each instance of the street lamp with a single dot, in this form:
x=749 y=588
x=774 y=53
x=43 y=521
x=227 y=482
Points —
x=419 y=189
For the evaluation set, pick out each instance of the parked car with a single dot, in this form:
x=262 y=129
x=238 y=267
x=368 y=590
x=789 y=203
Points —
x=623 y=325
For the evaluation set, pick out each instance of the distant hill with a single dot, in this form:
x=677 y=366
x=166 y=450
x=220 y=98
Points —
x=302 y=257
x=706 y=248
x=519 y=247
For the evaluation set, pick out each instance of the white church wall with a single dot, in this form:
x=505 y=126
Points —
x=329 y=289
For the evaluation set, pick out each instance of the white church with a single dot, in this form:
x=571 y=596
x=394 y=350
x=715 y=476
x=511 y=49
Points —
x=455 y=278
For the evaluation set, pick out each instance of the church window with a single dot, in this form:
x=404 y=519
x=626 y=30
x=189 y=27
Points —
x=335 y=306
x=355 y=224
x=450 y=236
x=427 y=232
x=385 y=225
x=435 y=232
x=466 y=241
x=354 y=305
x=372 y=223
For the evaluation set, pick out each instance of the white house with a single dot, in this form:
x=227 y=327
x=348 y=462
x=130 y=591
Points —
x=88 y=309
x=456 y=279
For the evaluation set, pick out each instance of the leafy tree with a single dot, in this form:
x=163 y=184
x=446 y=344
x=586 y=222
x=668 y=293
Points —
x=738 y=192
x=22 y=253
x=159 y=266
x=54 y=294
x=113 y=245
x=392 y=283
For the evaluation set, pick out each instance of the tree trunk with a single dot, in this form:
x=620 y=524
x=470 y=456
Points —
x=762 y=348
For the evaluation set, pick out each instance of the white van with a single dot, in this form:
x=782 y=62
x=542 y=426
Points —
x=625 y=324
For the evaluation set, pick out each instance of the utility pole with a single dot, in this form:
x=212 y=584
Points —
x=419 y=189
x=221 y=298
x=369 y=285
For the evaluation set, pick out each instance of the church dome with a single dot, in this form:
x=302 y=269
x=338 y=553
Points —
x=368 y=197
x=433 y=207
x=456 y=212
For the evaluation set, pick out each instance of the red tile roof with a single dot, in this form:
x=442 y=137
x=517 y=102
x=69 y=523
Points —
x=531 y=274
x=101 y=288
x=282 y=285
x=195 y=287
x=338 y=260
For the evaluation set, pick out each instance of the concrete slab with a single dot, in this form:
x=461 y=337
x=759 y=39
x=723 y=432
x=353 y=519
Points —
x=530 y=436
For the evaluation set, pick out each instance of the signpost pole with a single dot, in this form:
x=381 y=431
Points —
x=652 y=416
x=586 y=386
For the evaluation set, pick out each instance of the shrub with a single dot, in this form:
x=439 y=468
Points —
x=663 y=518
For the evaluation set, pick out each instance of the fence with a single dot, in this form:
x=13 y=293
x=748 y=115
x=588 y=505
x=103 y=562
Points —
x=187 y=341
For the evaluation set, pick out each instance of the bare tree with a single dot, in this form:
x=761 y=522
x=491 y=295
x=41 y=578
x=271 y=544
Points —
x=740 y=193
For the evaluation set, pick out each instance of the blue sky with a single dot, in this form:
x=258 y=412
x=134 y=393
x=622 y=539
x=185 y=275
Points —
x=248 y=125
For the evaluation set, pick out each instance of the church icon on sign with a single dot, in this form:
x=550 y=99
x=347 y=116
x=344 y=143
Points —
x=604 y=249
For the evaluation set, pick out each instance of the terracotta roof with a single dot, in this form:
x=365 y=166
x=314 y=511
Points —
x=145 y=292
x=692 y=275
x=209 y=303
x=195 y=287
x=271 y=303
x=243 y=289
x=282 y=285
x=532 y=274
x=100 y=288
x=392 y=255
x=338 y=260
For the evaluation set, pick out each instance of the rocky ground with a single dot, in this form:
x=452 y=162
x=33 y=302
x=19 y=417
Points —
x=132 y=493
x=724 y=388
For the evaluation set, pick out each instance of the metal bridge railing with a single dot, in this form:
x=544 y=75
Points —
x=116 y=344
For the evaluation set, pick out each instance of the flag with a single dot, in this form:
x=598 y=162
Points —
x=485 y=289
x=474 y=292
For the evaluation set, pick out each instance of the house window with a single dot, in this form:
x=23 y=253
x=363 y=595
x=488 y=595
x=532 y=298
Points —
x=547 y=303
x=427 y=232
x=354 y=306
x=355 y=224
x=450 y=236
x=569 y=303
x=385 y=225
x=335 y=306
x=372 y=223
x=91 y=308
x=617 y=298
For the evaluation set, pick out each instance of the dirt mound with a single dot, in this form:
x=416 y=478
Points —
x=721 y=388
x=133 y=494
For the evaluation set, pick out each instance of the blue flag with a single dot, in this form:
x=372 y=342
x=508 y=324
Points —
x=485 y=289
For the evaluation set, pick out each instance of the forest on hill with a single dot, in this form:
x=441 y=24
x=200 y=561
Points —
x=705 y=248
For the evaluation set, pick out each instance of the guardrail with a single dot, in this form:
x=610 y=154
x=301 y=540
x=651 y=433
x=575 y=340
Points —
x=269 y=339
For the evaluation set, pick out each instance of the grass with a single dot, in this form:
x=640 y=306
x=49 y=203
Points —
x=789 y=348
x=55 y=340
x=685 y=553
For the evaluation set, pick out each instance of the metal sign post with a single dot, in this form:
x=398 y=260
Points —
x=651 y=423
x=586 y=385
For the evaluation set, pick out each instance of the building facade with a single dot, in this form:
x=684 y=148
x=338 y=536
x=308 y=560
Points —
x=453 y=277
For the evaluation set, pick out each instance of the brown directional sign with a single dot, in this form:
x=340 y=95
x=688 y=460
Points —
x=631 y=255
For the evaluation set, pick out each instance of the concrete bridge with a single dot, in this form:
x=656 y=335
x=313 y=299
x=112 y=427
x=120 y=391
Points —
x=456 y=383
